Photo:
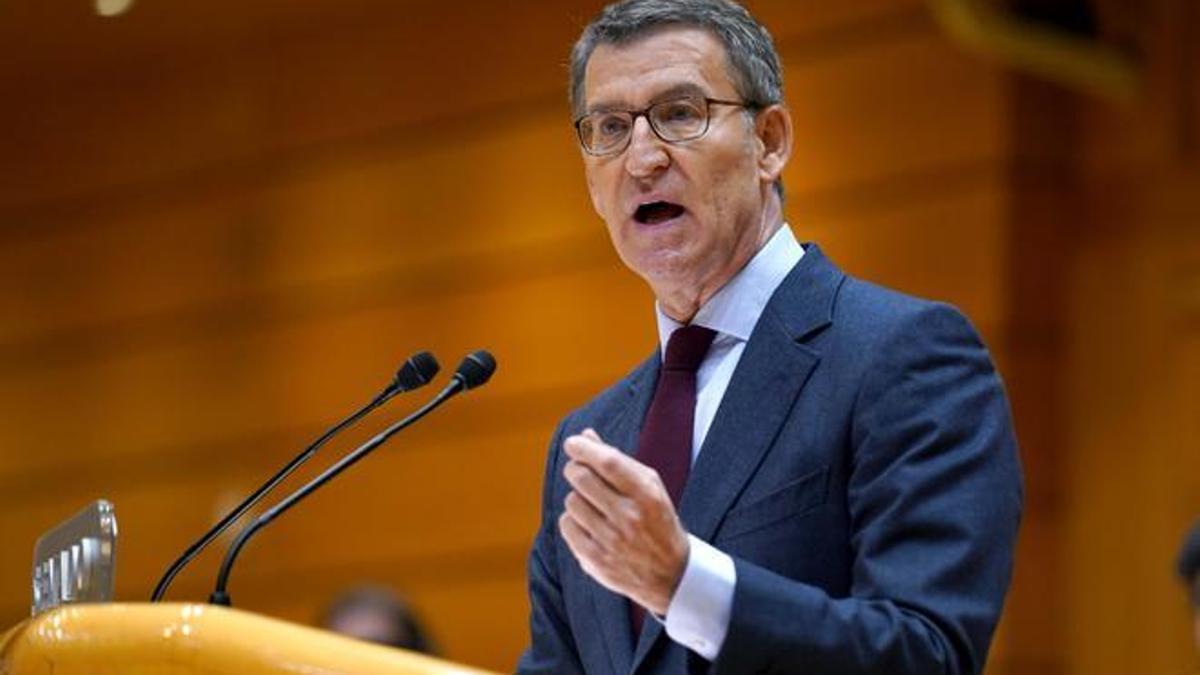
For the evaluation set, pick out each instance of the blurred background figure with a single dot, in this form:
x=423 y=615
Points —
x=376 y=614
x=1189 y=571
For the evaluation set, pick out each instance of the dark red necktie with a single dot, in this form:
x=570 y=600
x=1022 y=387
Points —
x=665 y=443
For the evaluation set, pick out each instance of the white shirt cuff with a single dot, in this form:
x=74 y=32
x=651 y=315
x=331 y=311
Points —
x=698 y=616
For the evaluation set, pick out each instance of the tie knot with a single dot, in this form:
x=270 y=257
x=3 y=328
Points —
x=687 y=347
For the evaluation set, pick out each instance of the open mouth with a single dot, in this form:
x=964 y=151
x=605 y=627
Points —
x=652 y=213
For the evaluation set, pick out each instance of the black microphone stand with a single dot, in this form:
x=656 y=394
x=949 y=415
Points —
x=258 y=494
x=417 y=371
x=219 y=596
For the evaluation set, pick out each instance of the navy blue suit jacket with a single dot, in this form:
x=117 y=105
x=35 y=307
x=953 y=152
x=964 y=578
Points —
x=862 y=472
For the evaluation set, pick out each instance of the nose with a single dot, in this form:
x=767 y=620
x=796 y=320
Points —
x=646 y=154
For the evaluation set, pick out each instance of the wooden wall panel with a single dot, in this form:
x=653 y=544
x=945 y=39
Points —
x=367 y=209
x=1132 y=472
x=948 y=246
x=312 y=229
x=901 y=109
x=337 y=78
x=239 y=386
x=1130 y=478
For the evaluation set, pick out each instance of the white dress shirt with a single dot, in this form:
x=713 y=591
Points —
x=698 y=615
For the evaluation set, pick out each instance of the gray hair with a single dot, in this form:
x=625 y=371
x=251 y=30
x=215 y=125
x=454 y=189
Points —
x=753 y=64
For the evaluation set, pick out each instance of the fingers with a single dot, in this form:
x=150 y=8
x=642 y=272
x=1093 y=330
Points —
x=619 y=523
x=625 y=474
x=578 y=540
x=590 y=486
x=591 y=521
x=622 y=489
x=595 y=561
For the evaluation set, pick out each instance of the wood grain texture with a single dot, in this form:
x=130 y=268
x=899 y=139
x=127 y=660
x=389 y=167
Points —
x=1131 y=457
x=222 y=225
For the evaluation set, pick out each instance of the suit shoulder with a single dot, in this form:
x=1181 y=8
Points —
x=858 y=297
x=870 y=309
x=612 y=399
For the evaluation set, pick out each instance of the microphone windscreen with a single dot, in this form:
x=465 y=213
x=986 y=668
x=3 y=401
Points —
x=475 y=369
x=417 y=371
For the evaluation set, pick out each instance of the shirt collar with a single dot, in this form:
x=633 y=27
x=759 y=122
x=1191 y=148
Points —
x=734 y=310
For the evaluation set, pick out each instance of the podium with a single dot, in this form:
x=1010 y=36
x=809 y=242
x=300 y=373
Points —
x=179 y=639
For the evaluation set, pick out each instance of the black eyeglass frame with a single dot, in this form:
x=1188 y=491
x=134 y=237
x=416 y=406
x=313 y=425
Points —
x=645 y=112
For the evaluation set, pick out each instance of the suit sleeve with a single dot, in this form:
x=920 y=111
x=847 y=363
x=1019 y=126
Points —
x=551 y=648
x=934 y=499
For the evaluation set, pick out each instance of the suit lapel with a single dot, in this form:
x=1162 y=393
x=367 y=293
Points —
x=612 y=610
x=769 y=377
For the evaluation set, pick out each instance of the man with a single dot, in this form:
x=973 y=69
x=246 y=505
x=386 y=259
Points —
x=814 y=474
x=1189 y=572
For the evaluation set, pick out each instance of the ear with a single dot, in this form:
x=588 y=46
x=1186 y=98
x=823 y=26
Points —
x=773 y=127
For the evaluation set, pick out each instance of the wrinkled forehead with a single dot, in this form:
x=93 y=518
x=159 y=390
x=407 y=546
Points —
x=654 y=64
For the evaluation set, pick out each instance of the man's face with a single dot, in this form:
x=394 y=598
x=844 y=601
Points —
x=684 y=216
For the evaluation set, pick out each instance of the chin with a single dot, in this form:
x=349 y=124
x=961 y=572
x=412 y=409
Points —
x=667 y=273
x=665 y=255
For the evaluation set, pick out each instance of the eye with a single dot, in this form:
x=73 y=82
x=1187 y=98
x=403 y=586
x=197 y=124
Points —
x=609 y=125
x=681 y=113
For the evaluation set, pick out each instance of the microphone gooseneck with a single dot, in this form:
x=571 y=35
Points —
x=417 y=371
x=476 y=369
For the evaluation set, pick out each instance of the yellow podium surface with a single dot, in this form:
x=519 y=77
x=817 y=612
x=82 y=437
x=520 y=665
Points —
x=146 y=639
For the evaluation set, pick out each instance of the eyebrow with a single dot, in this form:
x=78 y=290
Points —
x=680 y=90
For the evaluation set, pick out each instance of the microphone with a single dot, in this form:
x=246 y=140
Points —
x=417 y=371
x=475 y=370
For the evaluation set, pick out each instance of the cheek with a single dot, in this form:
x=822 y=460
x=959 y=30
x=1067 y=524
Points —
x=733 y=189
x=592 y=190
x=600 y=190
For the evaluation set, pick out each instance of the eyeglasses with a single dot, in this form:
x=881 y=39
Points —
x=607 y=132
